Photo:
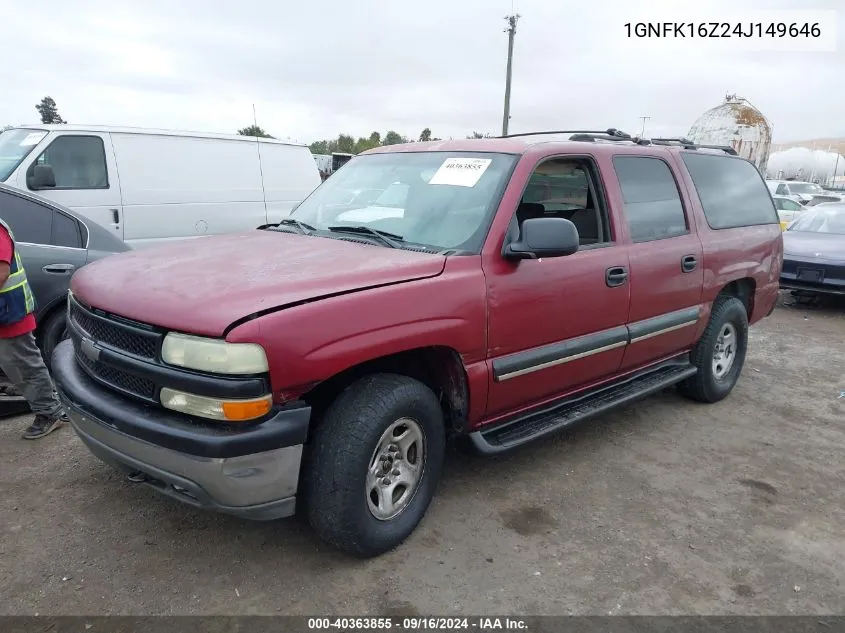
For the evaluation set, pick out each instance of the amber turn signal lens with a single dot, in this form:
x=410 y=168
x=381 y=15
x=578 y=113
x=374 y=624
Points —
x=241 y=410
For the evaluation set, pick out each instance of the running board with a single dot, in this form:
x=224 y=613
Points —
x=534 y=425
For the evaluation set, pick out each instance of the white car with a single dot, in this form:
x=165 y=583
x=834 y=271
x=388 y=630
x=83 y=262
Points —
x=788 y=209
x=797 y=190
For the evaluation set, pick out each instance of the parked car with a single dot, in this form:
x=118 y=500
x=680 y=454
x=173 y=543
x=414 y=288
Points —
x=814 y=251
x=788 y=210
x=152 y=186
x=799 y=191
x=323 y=364
x=53 y=242
x=827 y=196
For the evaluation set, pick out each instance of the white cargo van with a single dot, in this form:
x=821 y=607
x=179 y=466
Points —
x=153 y=185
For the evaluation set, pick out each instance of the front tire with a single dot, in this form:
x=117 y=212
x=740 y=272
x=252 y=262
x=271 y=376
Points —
x=375 y=461
x=720 y=354
x=52 y=332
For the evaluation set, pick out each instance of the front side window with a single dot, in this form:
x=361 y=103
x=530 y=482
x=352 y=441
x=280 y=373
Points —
x=731 y=191
x=437 y=200
x=15 y=145
x=566 y=188
x=782 y=190
x=78 y=162
x=652 y=201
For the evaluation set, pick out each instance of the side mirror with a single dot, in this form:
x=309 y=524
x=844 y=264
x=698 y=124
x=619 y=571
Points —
x=41 y=177
x=544 y=237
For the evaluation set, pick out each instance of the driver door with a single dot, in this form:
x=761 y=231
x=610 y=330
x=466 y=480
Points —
x=556 y=324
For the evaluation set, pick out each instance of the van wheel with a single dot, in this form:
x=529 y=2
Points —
x=375 y=461
x=720 y=354
x=52 y=332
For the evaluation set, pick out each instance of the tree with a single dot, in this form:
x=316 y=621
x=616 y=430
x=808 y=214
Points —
x=48 y=111
x=479 y=135
x=393 y=138
x=319 y=147
x=425 y=135
x=254 y=130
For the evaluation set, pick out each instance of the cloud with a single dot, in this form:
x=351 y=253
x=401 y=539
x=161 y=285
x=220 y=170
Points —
x=316 y=69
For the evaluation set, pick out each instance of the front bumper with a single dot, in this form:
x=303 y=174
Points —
x=251 y=471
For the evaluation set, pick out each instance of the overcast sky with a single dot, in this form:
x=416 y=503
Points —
x=314 y=69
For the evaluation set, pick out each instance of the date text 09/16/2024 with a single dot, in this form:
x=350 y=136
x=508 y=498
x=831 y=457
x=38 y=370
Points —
x=417 y=623
x=722 y=29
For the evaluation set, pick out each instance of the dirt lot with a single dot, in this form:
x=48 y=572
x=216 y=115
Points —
x=667 y=507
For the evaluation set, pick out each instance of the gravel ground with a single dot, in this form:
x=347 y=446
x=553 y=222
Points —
x=666 y=507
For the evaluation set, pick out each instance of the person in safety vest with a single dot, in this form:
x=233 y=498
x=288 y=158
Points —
x=20 y=358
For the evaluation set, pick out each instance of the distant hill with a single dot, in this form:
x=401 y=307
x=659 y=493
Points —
x=835 y=144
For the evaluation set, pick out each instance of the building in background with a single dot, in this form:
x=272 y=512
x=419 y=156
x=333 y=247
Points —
x=737 y=124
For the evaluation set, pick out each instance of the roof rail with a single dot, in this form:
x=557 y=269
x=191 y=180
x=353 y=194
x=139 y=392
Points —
x=688 y=144
x=617 y=135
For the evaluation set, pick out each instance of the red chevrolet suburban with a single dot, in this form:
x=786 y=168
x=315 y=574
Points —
x=493 y=291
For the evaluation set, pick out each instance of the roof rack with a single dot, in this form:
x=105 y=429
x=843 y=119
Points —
x=613 y=134
x=688 y=144
x=609 y=134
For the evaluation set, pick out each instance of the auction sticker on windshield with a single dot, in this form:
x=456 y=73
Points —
x=461 y=172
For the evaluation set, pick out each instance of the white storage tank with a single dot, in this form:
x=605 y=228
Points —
x=738 y=124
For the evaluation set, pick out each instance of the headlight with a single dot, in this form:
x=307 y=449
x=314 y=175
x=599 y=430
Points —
x=212 y=355
x=226 y=410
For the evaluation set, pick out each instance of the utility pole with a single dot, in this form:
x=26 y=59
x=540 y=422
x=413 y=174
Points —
x=644 y=118
x=511 y=31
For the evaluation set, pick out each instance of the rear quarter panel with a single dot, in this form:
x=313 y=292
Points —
x=748 y=252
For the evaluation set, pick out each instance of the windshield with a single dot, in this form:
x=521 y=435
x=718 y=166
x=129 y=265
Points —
x=15 y=145
x=441 y=200
x=804 y=187
x=822 y=220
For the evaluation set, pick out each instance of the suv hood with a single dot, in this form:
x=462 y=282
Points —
x=204 y=285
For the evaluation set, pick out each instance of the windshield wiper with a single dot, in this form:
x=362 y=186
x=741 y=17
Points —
x=389 y=239
x=304 y=228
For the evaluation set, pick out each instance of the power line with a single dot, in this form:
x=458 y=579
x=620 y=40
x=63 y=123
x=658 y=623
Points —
x=511 y=31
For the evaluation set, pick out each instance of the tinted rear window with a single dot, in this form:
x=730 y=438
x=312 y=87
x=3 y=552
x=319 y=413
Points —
x=731 y=191
x=652 y=202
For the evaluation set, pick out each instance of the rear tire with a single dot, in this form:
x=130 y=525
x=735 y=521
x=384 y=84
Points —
x=52 y=332
x=720 y=353
x=374 y=464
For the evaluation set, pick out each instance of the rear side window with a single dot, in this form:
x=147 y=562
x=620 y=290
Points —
x=731 y=191
x=65 y=231
x=652 y=201
x=30 y=222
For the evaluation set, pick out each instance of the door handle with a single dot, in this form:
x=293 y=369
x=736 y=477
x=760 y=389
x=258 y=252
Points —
x=616 y=276
x=688 y=263
x=59 y=269
x=115 y=215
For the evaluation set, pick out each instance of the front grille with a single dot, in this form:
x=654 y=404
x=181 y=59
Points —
x=107 y=332
x=121 y=380
x=113 y=333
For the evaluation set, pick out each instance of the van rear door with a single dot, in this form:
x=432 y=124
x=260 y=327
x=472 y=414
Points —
x=86 y=177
